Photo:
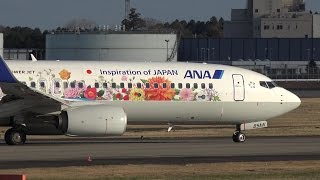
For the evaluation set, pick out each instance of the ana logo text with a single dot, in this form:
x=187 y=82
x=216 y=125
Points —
x=200 y=74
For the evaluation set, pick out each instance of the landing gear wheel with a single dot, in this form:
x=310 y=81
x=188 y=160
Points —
x=15 y=137
x=239 y=137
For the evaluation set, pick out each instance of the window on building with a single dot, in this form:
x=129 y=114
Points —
x=156 y=85
x=278 y=10
x=188 y=86
x=147 y=85
x=256 y=10
x=130 y=85
x=114 y=85
x=180 y=85
x=139 y=85
x=96 y=85
x=266 y=27
x=105 y=85
x=279 y=27
x=121 y=85
x=172 y=85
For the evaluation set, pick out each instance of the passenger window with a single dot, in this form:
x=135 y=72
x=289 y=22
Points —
x=121 y=85
x=139 y=85
x=164 y=85
x=188 y=85
x=129 y=85
x=203 y=86
x=210 y=86
x=195 y=85
x=180 y=85
x=42 y=85
x=96 y=85
x=114 y=85
x=264 y=84
x=105 y=85
x=33 y=84
x=172 y=85
x=156 y=85
x=57 y=84
x=72 y=85
x=80 y=85
x=65 y=85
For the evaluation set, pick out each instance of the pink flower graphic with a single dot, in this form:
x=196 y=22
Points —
x=71 y=93
x=186 y=94
x=124 y=78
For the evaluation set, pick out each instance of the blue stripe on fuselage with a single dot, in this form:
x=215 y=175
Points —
x=218 y=74
x=5 y=73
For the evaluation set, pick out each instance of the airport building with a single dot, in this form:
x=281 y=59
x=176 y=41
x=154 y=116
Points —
x=273 y=19
x=114 y=46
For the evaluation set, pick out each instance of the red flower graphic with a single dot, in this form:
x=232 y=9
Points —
x=160 y=93
x=90 y=93
x=126 y=98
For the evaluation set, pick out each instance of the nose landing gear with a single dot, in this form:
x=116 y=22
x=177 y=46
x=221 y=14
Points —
x=238 y=136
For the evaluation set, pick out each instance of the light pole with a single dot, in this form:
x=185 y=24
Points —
x=167 y=41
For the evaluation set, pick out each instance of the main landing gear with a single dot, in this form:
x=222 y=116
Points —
x=238 y=136
x=15 y=136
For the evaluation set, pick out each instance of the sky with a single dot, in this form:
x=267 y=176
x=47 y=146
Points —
x=49 y=14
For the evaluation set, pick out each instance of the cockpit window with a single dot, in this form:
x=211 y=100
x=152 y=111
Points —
x=264 y=84
x=268 y=84
x=271 y=85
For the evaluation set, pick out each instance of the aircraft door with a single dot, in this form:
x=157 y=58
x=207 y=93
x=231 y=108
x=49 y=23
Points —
x=238 y=87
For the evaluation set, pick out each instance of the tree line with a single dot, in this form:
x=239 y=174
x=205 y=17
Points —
x=26 y=37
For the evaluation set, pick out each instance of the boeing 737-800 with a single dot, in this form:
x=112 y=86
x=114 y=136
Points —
x=92 y=98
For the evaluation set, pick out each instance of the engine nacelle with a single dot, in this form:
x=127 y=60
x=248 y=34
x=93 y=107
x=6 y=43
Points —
x=95 y=120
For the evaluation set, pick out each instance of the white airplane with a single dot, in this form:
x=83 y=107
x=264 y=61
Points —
x=78 y=98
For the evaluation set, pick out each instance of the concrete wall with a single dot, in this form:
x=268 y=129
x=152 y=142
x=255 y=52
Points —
x=316 y=25
x=110 y=47
x=299 y=27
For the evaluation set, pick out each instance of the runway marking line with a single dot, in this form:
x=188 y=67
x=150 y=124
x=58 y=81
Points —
x=13 y=177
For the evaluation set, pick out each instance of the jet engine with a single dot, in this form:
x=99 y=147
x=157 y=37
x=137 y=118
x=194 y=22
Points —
x=95 y=120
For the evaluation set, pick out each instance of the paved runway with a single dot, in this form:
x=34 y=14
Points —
x=74 y=152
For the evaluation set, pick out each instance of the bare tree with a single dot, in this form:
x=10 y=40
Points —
x=82 y=24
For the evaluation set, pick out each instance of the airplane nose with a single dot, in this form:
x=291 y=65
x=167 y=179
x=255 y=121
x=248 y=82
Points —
x=293 y=101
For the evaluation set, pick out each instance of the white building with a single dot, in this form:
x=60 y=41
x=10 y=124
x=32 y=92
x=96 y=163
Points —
x=273 y=19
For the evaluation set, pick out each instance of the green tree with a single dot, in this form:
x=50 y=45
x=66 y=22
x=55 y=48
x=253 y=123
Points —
x=135 y=22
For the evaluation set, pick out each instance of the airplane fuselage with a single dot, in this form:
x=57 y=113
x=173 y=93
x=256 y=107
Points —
x=161 y=92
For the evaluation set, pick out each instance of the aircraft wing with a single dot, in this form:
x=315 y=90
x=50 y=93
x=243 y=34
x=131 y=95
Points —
x=17 y=91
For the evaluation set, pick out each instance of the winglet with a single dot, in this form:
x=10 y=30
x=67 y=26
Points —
x=34 y=59
x=6 y=75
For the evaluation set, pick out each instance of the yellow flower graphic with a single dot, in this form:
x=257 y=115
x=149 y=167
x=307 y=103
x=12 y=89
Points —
x=65 y=74
x=137 y=94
